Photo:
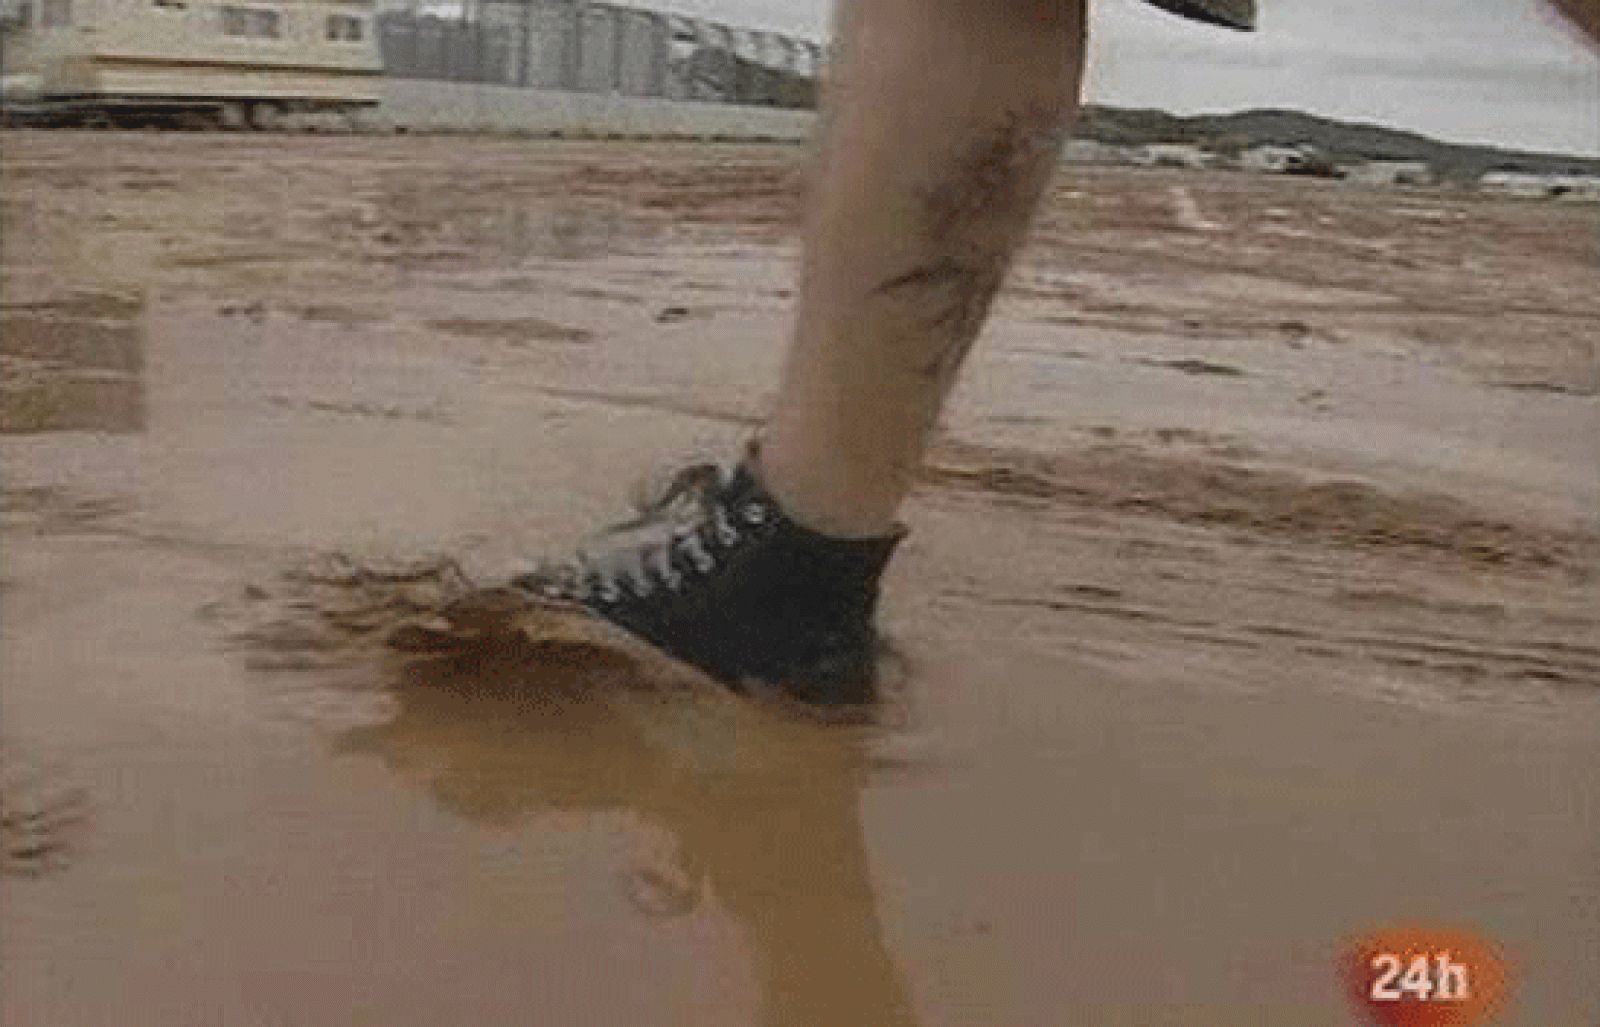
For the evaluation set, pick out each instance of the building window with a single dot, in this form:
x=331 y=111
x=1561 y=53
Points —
x=251 y=23
x=55 y=13
x=342 y=28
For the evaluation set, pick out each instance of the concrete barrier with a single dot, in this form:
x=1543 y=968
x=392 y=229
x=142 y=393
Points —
x=415 y=105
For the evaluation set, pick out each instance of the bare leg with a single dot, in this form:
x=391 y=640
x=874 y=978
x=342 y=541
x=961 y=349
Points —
x=944 y=121
x=1585 y=14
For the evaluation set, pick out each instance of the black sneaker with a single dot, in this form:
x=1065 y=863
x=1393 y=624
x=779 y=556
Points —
x=713 y=573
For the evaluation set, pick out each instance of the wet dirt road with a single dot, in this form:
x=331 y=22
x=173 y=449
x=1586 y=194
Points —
x=1250 y=600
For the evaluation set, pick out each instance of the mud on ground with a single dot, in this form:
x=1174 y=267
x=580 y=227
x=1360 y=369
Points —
x=1239 y=455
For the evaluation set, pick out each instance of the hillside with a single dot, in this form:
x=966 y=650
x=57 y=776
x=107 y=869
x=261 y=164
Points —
x=1340 y=141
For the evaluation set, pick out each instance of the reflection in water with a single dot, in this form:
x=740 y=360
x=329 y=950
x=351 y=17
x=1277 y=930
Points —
x=72 y=363
x=764 y=813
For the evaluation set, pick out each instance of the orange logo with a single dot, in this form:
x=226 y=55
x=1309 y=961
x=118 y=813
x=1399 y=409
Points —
x=1421 y=977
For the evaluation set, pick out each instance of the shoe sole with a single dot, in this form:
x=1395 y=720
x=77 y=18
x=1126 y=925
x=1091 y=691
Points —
x=495 y=617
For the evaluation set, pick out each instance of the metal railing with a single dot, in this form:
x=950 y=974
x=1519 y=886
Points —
x=601 y=48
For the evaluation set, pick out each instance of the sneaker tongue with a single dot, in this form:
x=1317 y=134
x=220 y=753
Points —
x=691 y=484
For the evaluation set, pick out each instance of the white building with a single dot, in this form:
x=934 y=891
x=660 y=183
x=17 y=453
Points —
x=1514 y=183
x=1390 y=172
x=1583 y=188
x=1525 y=184
x=1273 y=159
x=1087 y=151
x=1172 y=155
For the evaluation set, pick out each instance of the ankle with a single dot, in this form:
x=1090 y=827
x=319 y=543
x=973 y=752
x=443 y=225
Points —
x=824 y=504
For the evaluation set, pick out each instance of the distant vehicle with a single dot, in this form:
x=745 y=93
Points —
x=233 y=63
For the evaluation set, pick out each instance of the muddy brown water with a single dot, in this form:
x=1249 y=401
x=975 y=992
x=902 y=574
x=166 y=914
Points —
x=1210 y=670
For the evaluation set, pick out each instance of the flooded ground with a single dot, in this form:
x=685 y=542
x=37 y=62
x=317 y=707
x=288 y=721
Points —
x=1250 y=602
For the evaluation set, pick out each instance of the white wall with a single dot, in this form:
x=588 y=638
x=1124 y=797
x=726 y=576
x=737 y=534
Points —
x=422 y=106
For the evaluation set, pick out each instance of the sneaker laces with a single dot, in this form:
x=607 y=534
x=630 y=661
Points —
x=681 y=523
